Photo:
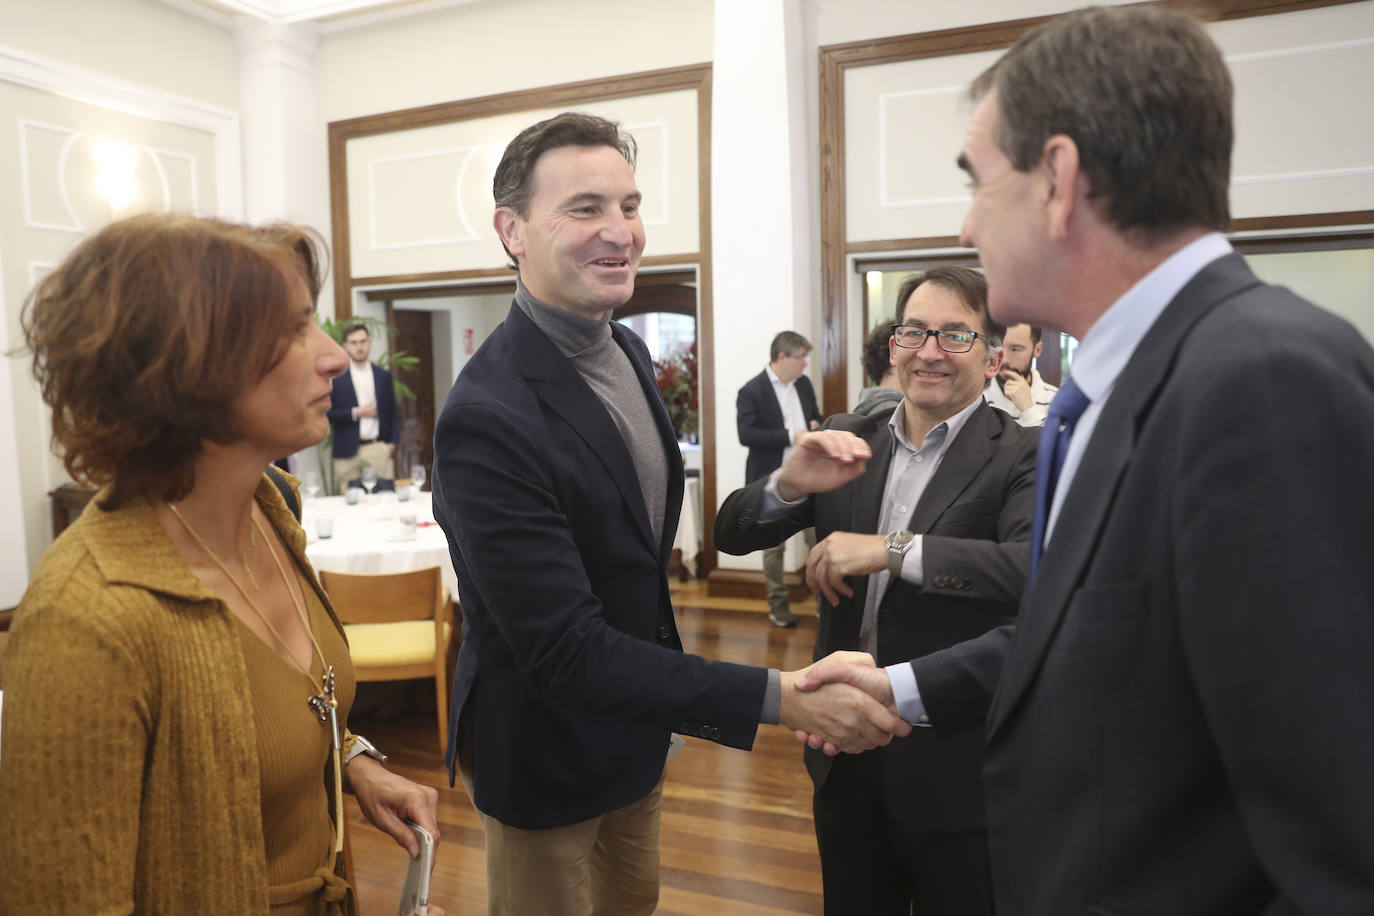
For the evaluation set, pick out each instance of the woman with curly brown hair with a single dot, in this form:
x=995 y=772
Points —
x=175 y=679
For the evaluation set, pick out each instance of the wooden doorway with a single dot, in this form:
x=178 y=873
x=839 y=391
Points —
x=415 y=336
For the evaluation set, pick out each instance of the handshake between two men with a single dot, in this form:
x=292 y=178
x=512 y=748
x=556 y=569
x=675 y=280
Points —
x=923 y=528
x=824 y=461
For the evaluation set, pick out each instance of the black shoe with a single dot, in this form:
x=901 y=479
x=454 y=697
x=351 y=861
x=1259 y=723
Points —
x=782 y=617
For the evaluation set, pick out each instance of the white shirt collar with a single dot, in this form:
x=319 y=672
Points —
x=773 y=377
x=1112 y=340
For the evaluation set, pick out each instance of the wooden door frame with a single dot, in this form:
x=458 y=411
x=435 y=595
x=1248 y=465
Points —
x=992 y=36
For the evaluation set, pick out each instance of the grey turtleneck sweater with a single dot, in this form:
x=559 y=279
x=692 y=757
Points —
x=607 y=369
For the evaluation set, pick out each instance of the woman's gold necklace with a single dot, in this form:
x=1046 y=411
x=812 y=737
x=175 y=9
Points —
x=324 y=703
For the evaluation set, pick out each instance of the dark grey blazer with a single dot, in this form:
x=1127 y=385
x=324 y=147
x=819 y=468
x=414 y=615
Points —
x=975 y=515
x=758 y=420
x=1185 y=722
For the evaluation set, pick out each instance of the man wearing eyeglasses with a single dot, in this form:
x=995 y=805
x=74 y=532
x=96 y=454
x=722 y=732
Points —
x=773 y=410
x=925 y=522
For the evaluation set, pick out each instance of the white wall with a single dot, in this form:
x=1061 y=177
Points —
x=137 y=40
x=158 y=81
x=488 y=48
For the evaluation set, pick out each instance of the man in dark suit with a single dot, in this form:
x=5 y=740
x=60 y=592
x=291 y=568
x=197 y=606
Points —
x=362 y=411
x=925 y=549
x=1182 y=722
x=558 y=482
x=772 y=411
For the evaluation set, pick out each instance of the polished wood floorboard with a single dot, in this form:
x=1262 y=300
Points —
x=737 y=836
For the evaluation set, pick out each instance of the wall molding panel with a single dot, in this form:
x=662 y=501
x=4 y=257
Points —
x=94 y=88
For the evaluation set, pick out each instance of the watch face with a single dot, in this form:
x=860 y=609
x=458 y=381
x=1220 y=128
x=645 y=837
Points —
x=899 y=538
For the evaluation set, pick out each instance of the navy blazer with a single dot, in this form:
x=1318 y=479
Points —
x=1182 y=723
x=342 y=400
x=975 y=518
x=571 y=674
x=758 y=418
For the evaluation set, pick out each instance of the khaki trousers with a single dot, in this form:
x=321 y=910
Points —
x=375 y=454
x=606 y=866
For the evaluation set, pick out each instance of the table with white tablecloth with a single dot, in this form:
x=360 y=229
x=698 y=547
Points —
x=688 y=537
x=369 y=537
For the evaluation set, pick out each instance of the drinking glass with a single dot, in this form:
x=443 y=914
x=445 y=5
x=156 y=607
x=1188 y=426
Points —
x=369 y=481
x=311 y=484
x=417 y=477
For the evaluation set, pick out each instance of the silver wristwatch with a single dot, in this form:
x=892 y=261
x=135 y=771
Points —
x=898 y=543
x=362 y=746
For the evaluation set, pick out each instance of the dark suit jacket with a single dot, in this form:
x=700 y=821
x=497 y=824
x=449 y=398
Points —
x=1183 y=725
x=343 y=399
x=975 y=516
x=759 y=421
x=571 y=673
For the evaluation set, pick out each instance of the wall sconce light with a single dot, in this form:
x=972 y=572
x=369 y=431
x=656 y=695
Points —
x=115 y=174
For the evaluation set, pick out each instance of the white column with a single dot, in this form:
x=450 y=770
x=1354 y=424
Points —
x=285 y=147
x=762 y=281
x=285 y=158
x=14 y=555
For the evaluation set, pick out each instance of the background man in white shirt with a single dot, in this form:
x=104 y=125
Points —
x=362 y=411
x=1018 y=388
x=773 y=410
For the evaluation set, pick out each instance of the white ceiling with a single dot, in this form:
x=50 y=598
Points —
x=337 y=13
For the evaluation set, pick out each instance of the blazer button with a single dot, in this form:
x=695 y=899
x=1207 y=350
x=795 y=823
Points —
x=966 y=584
x=663 y=631
x=712 y=732
x=940 y=581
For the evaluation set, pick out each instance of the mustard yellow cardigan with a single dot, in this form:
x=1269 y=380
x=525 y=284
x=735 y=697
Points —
x=128 y=759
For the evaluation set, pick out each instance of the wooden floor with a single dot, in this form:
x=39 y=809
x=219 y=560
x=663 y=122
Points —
x=737 y=834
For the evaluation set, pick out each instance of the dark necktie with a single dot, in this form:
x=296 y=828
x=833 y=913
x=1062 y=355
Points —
x=1068 y=405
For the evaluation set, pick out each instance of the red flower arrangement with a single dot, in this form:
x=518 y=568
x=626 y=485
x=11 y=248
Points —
x=677 y=383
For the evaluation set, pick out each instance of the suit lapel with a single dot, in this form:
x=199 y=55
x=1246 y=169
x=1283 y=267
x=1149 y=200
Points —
x=769 y=409
x=964 y=460
x=1094 y=488
x=867 y=502
x=556 y=381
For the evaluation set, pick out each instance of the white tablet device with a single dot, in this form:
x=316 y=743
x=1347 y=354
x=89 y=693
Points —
x=415 y=891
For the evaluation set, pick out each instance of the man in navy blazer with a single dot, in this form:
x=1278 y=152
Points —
x=772 y=411
x=362 y=411
x=558 y=482
x=1181 y=722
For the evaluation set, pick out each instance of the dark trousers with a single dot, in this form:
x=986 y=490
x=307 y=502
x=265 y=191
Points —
x=874 y=866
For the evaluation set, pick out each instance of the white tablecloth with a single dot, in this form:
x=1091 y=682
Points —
x=688 y=538
x=363 y=537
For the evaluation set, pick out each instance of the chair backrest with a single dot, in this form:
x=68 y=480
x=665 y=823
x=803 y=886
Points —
x=385 y=598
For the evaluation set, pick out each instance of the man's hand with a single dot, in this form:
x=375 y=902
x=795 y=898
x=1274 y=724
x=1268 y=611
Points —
x=855 y=669
x=842 y=554
x=367 y=410
x=840 y=716
x=822 y=461
x=391 y=449
x=387 y=799
x=1017 y=388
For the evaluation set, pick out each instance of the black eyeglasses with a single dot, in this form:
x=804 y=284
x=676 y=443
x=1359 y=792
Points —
x=953 y=340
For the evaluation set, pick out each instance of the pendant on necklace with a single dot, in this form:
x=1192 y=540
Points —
x=326 y=706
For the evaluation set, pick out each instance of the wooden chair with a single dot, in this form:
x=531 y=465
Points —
x=399 y=626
